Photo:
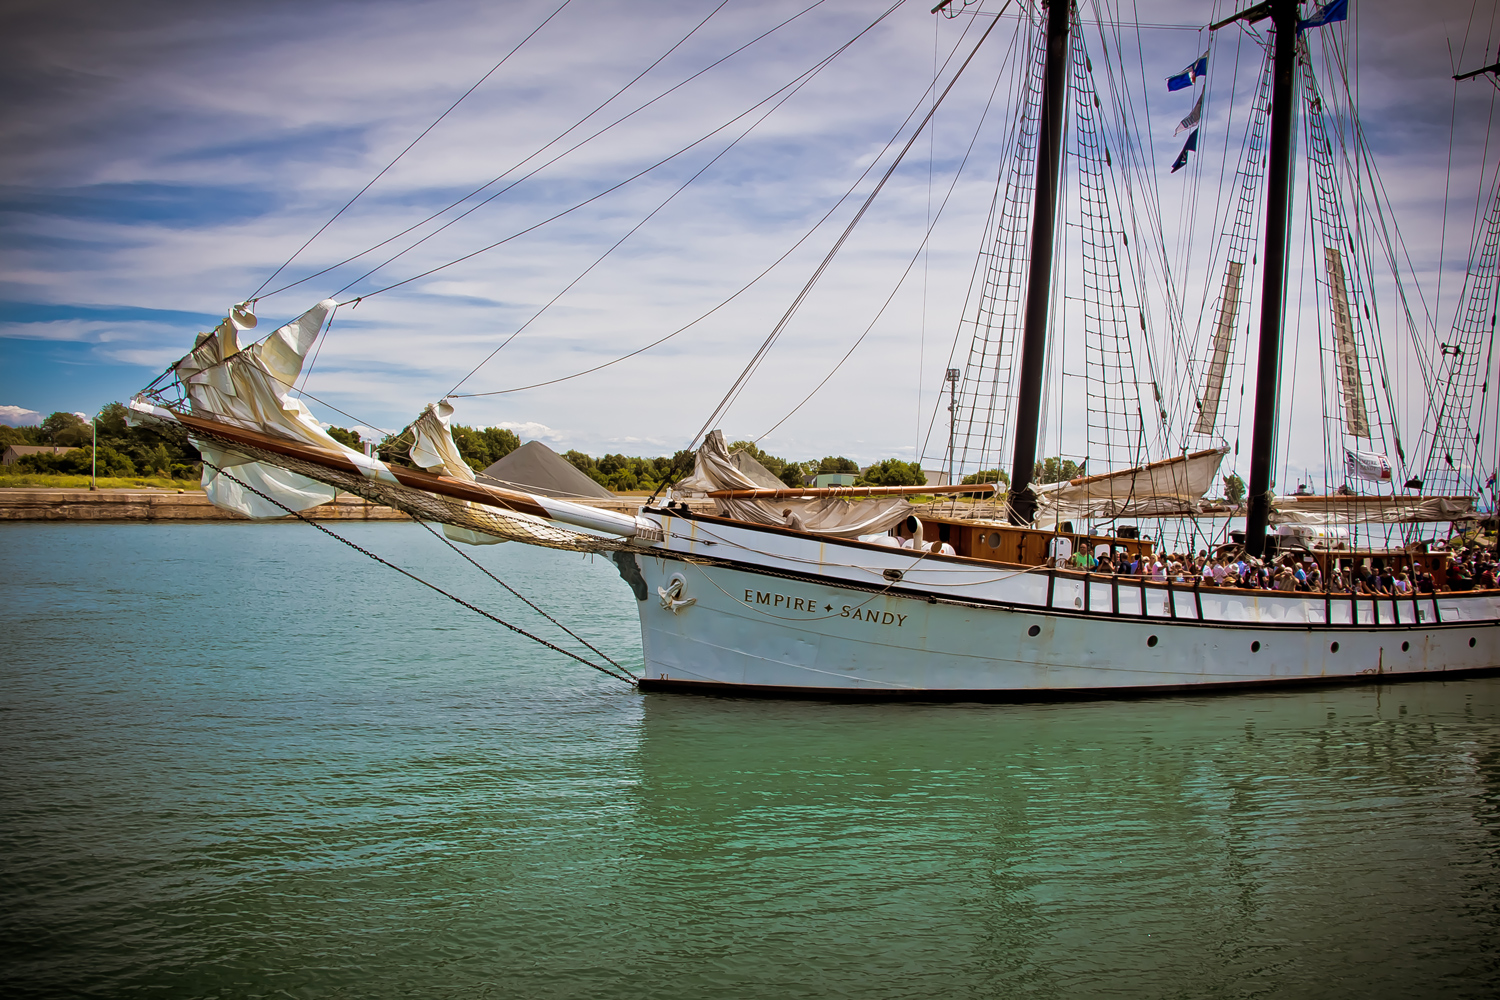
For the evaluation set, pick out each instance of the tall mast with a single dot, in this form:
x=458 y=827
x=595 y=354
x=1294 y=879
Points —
x=1284 y=15
x=1039 y=277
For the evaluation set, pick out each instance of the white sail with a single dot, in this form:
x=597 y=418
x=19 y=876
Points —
x=1356 y=421
x=1335 y=509
x=1172 y=486
x=249 y=387
x=716 y=469
x=1213 y=379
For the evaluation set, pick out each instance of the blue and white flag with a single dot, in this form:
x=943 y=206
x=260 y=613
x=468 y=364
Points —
x=1191 y=146
x=1333 y=10
x=1191 y=121
x=1195 y=70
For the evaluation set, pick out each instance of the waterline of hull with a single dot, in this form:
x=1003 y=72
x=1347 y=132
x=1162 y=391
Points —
x=784 y=628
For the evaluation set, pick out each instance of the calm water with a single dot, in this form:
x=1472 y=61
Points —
x=242 y=760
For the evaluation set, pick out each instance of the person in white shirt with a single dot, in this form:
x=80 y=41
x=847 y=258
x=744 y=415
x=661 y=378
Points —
x=793 y=520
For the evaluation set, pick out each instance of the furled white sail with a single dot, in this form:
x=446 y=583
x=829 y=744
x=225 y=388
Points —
x=1356 y=420
x=435 y=451
x=1218 y=363
x=249 y=387
x=1171 y=486
x=1336 y=509
x=716 y=469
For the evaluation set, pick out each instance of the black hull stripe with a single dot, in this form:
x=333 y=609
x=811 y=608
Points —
x=1024 y=696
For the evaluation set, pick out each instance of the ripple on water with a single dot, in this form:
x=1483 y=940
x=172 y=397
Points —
x=241 y=759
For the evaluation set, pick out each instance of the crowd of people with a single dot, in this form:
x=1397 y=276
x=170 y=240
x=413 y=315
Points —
x=1470 y=568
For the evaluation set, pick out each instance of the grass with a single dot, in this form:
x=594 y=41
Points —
x=51 y=481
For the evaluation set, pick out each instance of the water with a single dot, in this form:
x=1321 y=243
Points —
x=242 y=760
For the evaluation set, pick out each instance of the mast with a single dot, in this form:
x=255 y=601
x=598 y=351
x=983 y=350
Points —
x=1284 y=14
x=1039 y=277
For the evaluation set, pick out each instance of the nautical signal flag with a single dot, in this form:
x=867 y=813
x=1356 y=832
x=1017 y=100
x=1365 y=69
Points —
x=1196 y=69
x=1193 y=118
x=1333 y=10
x=1367 y=465
x=1191 y=146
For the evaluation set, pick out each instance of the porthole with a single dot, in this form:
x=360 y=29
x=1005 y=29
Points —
x=1405 y=647
x=1034 y=631
x=1255 y=646
x=1333 y=647
x=994 y=539
x=1151 y=641
x=1471 y=642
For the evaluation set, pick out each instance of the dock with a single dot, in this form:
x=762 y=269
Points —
x=23 y=504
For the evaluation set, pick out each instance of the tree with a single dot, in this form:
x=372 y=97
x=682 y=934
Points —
x=1234 y=489
x=20 y=435
x=78 y=462
x=67 y=429
x=838 y=465
x=1055 y=470
x=482 y=448
x=347 y=438
x=987 y=476
x=893 y=472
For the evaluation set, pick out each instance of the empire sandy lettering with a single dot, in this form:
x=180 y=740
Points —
x=870 y=615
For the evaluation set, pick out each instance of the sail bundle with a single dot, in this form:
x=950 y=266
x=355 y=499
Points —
x=715 y=469
x=1173 y=486
x=266 y=454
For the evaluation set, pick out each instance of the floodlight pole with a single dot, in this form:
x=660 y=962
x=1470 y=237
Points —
x=952 y=378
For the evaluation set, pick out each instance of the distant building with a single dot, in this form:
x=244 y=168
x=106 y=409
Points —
x=15 y=452
x=935 y=477
x=834 y=479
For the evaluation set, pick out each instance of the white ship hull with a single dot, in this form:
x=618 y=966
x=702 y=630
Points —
x=766 y=611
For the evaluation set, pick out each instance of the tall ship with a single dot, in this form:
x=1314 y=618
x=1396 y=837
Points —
x=1034 y=578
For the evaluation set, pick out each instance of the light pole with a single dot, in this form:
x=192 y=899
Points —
x=94 y=454
x=952 y=379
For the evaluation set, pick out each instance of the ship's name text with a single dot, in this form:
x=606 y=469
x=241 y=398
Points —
x=809 y=605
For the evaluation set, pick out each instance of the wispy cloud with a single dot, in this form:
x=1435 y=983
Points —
x=163 y=160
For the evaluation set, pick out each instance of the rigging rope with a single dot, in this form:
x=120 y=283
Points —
x=408 y=148
x=626 y=676
x=838 y=245
x=788 y=92
x=530 y=156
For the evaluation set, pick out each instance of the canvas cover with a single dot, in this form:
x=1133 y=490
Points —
x=1175 y=486
x=538 y=469
x=433 y=449
x=1335 y=509
x=716 y=469
x=249 y=387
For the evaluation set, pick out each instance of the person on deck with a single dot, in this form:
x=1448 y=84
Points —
x=793 y=520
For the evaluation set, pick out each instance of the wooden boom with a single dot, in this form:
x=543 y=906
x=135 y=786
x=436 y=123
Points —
x=796 y=492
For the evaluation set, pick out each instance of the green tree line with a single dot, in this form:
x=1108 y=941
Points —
x=123 y=450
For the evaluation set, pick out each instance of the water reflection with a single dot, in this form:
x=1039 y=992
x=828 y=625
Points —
x=1332 y=842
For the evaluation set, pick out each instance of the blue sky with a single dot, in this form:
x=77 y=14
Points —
x=161 y=161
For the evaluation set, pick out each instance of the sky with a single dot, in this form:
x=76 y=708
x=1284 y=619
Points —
x=160 y=161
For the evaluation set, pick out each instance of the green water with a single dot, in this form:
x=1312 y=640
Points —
x=241 y=760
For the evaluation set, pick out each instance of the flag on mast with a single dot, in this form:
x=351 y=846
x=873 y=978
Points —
x=1367 y=465
x=1191 y=146
x=1191 y=121
x=1195 y=70
x=1333 y=10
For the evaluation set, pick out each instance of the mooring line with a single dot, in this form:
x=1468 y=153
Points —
x=514 y=592
x=627 y=677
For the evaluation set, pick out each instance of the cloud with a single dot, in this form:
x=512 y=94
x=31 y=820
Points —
x=151 y=181
x=532 y=431
x=19 y=416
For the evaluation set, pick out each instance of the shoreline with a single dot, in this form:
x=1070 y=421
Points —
x=62 y=504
